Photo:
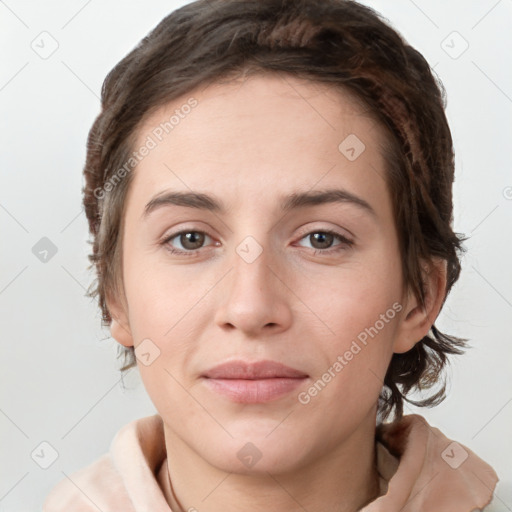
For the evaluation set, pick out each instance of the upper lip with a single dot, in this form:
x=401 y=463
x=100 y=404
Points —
x=255 y=370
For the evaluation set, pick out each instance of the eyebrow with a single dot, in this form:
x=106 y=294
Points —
x=293 y=201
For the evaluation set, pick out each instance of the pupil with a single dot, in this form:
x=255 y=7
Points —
x=323 y=236
x=193 y=238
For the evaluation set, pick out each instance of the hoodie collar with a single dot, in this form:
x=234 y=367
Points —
x=420 y=470
x=427 y=471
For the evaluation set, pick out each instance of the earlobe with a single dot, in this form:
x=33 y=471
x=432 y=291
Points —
x=121 y=333
x=418 y=318
x=119 y=326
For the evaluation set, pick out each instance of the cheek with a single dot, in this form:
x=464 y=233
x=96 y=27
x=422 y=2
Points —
x=349 y=384
x=359 y=313
x=167 y=312
x=159 y=294
x=349 y=300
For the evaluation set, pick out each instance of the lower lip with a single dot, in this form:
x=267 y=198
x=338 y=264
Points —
x=254 y=391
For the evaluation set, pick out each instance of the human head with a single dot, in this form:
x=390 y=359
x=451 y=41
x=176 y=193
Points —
x=336 y=42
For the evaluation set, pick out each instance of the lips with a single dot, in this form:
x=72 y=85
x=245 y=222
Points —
x=251 y=371
x=252 y=383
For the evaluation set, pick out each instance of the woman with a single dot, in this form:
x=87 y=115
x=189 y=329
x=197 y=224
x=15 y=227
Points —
x=269 y=191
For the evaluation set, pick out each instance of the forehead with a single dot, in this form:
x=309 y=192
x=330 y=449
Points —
x=263 y=134
x=281 y=96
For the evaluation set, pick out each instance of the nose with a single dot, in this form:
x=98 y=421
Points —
x=255 y=297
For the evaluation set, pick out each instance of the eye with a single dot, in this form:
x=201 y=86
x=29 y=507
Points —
x=322 y=241
x=190 y=241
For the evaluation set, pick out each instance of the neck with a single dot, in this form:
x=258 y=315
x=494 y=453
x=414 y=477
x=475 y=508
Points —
x=342 y=480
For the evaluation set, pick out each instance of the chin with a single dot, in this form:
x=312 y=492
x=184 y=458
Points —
x=256 y=452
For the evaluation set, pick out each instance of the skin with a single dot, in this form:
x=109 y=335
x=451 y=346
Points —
x=248 y=142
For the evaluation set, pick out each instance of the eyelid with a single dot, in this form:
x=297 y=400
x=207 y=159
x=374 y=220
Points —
x=345 y=242
x=322 y=229
x=302 y=232
x=166 y=239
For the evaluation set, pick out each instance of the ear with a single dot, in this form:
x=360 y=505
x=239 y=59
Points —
x=119 y=327
x=418 y=319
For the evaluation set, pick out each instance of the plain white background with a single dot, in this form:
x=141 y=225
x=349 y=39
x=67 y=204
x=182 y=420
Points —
x=60 y=379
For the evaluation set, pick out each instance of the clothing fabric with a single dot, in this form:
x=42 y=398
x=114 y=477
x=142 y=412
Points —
x=420 y=470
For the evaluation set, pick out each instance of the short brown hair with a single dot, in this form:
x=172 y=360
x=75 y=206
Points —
x=338 y=42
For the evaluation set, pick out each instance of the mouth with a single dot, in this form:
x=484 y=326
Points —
x=252 y=383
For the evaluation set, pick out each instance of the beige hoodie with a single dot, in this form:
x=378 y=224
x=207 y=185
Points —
x=420 y=470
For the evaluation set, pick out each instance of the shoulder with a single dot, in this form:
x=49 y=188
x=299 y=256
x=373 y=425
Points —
x=136 y=450
x=501 y=497
x=97 y=486
x=439 y=473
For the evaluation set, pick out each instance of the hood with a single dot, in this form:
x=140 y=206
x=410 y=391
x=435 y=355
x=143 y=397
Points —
x=428 y=472
x=420 y=470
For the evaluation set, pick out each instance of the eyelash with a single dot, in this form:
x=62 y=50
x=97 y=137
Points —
x=345 y=242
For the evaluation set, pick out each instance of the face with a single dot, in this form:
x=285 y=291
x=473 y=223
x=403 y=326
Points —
x=273 y=265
